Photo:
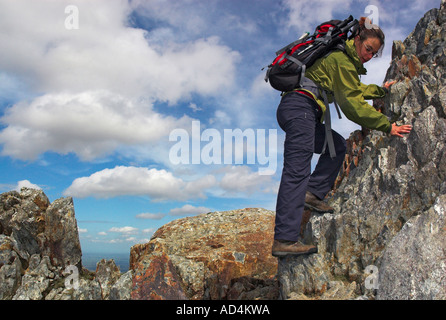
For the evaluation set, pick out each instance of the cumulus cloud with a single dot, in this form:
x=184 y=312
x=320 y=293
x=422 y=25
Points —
x=105 y=53
x=302 y=16
x=90 y=124
x=124 y=230
x=241 y=179
x=152 y=216
x=159 y=185
x=26 y=184
x=122 y=235
x=188 y=210
x=192 y=17
x=149 y=231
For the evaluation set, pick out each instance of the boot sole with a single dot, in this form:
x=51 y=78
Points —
x=308 y=206
x=280 y=254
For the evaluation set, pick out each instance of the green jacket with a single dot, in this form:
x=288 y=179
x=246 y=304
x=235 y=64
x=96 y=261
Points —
x=339 y=73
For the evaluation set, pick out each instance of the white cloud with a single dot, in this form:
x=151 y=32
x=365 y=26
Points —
x=26 y=184
x=153 y=216
x=149 y=230
x=187 y=15
x=133 y=240
x=194 y=107
x=189 y=210
x=302 y=13
x=90 y=124
x=159 y=185
x=104 y=53
x=124 y=230
x=193 y=18
x=240 y=179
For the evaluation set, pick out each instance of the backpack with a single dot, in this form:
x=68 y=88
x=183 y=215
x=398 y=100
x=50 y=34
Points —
x=287 y=71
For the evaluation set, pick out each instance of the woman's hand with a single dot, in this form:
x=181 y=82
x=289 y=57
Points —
x=399 y=130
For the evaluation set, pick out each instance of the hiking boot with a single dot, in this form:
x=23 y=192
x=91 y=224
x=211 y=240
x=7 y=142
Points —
x=313 y=203
x=283 y=248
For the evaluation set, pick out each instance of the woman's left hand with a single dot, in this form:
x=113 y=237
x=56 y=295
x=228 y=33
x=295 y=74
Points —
x=400 y=130
x=388 y=84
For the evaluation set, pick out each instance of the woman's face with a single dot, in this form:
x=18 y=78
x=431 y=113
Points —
x=367 y=49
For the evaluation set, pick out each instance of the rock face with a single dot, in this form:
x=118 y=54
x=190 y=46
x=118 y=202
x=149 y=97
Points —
x=387 y=237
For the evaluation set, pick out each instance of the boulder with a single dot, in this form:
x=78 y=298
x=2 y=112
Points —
x=205 y=256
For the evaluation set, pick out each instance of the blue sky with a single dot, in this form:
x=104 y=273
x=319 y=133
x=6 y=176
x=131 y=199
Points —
x=94 y=96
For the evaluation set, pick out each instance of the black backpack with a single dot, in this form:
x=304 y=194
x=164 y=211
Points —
x=287 y=71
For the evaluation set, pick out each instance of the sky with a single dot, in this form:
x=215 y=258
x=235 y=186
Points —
x=137 y=109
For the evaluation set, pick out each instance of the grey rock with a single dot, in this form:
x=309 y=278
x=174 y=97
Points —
x=122 y=288
x=107 y=273
x=10 y=268
x=36 y=280
x=413 y=265
x=305 y=275
x=62 y=243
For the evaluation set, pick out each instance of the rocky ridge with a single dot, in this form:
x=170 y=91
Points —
x=386 y=239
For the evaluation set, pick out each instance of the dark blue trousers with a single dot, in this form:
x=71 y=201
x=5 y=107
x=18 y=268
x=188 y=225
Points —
x=298 y=115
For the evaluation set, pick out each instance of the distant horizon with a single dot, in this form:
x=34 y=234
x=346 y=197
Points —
x=93 y=258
